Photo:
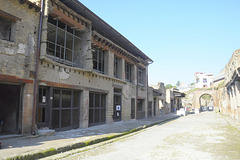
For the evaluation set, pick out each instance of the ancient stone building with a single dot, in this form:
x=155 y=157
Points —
x=19 y=22
x=89 y=74
x=86 y=73
x=157 y=99
x=231 y=105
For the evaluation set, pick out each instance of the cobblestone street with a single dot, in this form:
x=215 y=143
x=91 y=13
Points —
x=198 y=136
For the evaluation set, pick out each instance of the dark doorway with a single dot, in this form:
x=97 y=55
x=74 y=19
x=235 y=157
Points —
x=154 y=107
x=117 y=107
x=132 y=108
x=140 y=109
x=172 y=106
x=9 y=108
x=149 y=109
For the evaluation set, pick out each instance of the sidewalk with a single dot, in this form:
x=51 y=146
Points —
x=66 y=140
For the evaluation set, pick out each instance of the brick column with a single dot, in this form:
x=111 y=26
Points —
x=27 y=108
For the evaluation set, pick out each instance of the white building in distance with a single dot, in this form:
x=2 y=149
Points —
x=203 y=80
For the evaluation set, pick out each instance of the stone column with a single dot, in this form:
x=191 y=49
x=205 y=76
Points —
x=122 y=69
x=86 y=55
x=27 y=108
x=126 y=103
x=84 y=109
x=237 y=91
x=134 y=74
x=44 y=31
x=109 y=63
x=109 y=107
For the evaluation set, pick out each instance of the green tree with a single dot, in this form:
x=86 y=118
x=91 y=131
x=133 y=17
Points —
x=178 y=83
x=169 y=86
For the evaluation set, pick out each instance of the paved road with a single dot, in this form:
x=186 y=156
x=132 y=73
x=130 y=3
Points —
x=194 y=137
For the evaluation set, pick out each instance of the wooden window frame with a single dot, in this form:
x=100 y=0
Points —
x=98 y=59
x=141 y=76
x=61 y=108
x=99 y=108
x=61 y=52
x=128 y=71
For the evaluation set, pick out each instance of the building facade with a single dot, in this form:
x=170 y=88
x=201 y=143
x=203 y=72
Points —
x=230 y=94
x=158 y=93
x=86 y=72
x=203 y=80
x=19 y=21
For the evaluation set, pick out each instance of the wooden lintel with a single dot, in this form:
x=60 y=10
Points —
x=65 y=18
x=14 y=79
x=9 y=16
x=60 y=85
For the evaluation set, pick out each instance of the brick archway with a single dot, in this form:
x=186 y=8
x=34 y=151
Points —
x=199 y=93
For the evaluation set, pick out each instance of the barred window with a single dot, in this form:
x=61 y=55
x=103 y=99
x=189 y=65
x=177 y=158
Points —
x=5 y=29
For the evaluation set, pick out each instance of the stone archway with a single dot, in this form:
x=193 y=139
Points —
x=205 y=101
x=199 y=93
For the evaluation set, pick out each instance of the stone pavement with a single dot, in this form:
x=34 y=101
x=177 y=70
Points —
x=22 y=146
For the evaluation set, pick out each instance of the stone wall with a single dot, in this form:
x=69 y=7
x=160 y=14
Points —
x=17 y=55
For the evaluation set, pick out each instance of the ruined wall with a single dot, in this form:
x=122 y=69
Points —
x=17 y=56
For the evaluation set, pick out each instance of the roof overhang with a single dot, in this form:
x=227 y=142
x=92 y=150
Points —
x=105 y=29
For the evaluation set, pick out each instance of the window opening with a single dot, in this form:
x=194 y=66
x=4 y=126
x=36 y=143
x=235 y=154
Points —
x=128 y=72
x=5 y=29
x=64 y=44
x=140 y=76
x=117 y=67
x=98 y=59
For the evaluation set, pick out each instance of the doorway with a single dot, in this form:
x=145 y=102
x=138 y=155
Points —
x=149 y=109
x=117 y=108
x=10 y=109
x=154 y=107
x=132 y=108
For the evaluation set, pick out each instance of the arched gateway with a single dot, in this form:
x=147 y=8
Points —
x=199 y=93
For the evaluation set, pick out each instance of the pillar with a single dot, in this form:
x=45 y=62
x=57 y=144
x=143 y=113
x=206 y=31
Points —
x=84 y=109
x=27 y=108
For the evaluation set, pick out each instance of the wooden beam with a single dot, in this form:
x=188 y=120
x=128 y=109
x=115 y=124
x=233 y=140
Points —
x=14 y=79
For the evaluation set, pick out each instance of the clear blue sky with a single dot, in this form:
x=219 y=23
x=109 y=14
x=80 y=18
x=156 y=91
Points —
x=181 y=36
